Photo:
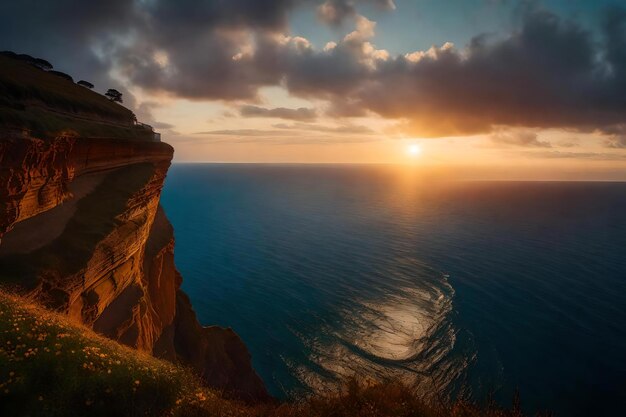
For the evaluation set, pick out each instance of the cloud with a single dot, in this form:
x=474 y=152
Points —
x=616 y=136
x=244 y=132
x=197 y=49
x=161 y=125
x=301 y=114
x=93 y=39
x=347 y=129
x=288 y=130
x=143 y=112
x=525 y=139
x=568 y=144
x=335 y=12
x=617 y=143
x=595 y=156
x=547 y=73
x=285 y=135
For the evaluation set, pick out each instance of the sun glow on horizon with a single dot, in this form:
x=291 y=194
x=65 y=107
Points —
x=414 y=150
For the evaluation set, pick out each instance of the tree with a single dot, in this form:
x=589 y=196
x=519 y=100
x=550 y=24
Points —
x=62 y=75
x=86 y=84
x=114 y=95
x=26 y=58
x=38 y=62
x=43 y=64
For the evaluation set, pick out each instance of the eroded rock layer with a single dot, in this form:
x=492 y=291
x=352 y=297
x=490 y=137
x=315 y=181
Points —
x=83 y=232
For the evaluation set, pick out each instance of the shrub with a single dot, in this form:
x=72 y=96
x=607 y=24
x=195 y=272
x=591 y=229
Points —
x=86 y=84
x=62 y=75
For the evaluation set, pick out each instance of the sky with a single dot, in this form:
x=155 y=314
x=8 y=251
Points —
x=497 y=89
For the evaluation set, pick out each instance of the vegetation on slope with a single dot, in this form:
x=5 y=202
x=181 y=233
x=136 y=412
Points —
x=43 y=123
x=24 y=83
x=49 y=105
x=52 y=367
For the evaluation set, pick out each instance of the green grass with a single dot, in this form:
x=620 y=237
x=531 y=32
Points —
x=42 y=123
x=51 y=367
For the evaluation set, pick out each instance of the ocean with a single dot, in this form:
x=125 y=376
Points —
x=472 y=289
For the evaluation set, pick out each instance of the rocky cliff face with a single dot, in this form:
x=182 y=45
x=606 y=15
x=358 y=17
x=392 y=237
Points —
x=83 y=232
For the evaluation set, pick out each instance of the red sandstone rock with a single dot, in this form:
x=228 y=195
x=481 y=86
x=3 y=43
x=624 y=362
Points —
x=108 y=261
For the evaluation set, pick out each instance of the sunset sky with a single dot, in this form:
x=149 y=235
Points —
x=482 y=88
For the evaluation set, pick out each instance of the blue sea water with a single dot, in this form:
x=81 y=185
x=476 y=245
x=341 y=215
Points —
x=461 y=288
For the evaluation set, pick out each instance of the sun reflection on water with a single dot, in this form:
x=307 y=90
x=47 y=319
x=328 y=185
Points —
x=406 y=336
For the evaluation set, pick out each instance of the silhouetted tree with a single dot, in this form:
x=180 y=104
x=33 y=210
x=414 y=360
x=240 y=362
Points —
x=114 y=95
x=62 y=75
x=85 y=84
x=43 y=64
x=26 y=58
x=38 y=62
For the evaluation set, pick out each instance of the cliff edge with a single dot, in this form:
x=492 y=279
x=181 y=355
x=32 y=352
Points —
x=82 y=232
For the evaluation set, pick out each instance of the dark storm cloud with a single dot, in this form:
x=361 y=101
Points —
x=300 y=114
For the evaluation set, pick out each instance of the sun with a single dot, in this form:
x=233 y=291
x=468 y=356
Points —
x=414 y=149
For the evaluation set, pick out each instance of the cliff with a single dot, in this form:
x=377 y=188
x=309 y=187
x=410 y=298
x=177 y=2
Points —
x=82 y=232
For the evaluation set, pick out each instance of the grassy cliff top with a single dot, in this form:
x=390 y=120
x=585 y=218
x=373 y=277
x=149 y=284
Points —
x=50 y=366
x=24 y=84
x=48 y=105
